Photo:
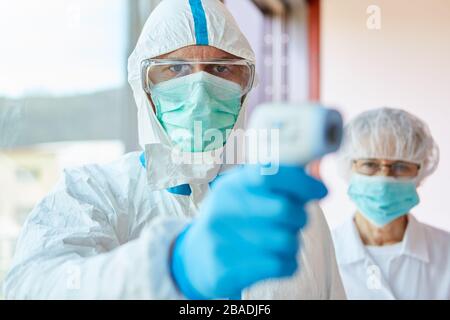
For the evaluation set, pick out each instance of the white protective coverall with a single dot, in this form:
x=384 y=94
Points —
x=105 y=231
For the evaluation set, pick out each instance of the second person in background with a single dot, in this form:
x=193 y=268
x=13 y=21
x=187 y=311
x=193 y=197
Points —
x=383 y=252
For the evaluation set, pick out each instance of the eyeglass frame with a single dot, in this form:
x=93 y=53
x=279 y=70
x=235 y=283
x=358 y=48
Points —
x=389 y=166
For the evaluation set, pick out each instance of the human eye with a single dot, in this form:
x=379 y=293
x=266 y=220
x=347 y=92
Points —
x=179 y=68
x=402 y=168
x=221 y=69
x=369 y=164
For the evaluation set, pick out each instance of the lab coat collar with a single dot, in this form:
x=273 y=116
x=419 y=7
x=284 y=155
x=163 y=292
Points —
x=352 y=248
x=348 y=239
x=415 y=242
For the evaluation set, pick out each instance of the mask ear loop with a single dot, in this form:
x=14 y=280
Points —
x=150 y=101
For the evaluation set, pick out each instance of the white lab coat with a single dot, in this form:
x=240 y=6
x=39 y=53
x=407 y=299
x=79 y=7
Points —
x=421 y=270
x=104 y=233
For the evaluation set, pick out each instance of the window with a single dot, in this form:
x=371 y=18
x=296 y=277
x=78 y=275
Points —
x=60 y=47
x=64 y=98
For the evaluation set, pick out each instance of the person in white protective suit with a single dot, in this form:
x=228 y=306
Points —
x=141 y=227
x=383 y=251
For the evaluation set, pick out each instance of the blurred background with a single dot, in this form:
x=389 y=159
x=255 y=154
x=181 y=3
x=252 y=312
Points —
x=65 y=101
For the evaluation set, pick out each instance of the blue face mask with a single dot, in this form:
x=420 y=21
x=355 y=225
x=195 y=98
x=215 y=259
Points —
x=382 y=199
x=197 y=111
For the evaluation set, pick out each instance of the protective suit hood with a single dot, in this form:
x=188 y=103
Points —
x=175 y=24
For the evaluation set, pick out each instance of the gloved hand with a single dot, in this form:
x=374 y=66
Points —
x=246 y=231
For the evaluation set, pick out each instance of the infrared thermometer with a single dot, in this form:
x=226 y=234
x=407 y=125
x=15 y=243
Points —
x=300 y=133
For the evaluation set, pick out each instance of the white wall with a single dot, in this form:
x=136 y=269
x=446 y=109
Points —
x=405 y=64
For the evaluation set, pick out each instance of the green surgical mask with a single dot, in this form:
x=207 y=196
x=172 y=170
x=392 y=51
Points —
x=197 y=111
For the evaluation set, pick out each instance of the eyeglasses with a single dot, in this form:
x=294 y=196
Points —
x=372 y=167
x=155 y=71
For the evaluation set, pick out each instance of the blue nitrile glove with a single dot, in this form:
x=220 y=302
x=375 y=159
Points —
x=246 y=231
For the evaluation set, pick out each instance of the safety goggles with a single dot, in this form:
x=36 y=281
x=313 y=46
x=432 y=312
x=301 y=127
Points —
x=156 y=71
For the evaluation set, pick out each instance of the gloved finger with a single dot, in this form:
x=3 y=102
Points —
x=260 y=204
x=277 y=208
x=291 y=180
x=289 y=214
x=255 y=268
x=281 y=243
x=265 y=236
